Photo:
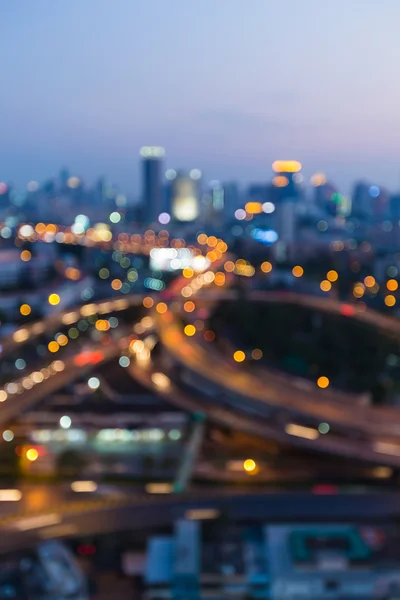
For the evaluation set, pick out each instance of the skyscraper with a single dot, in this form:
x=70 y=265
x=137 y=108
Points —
x=287 y=183
x=152 y=199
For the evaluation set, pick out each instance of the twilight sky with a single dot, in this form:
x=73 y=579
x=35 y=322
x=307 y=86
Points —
x=225 y=85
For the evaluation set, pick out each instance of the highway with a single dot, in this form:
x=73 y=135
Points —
x=86 y=517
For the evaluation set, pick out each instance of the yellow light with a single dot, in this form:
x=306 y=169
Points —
x=318 y=179
x=229 y=266
x=239 y=356
x=62 y=340
x=189 y=306
x=53 y=346
x=54 y=299
x=219 y=279
x=116 y=284
x=26 y=255
x=202 y=238
x=161 y=380
x=390 y=300
x=253 y=208
x=188 y=272
x=358 y=290
x=325 y=285
x=266 y=267
x=323 y=382
x=25 y=310
x=190 y=330
x=308 y=433
x=298 y=271
x=286 y=166
x=148 y=302
x=257 y=354
x=332 y=275
x=369 y=281
x=280 y=181
x=212 y=241
x=32 y=454
x=161 y=308
x=249 y=465
x=392 y=285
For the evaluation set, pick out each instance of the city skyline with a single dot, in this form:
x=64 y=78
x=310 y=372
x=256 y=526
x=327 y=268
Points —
x=301 y=90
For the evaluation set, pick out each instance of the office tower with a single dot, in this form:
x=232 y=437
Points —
x=287 y=194
x=151 y=182
x=362 y=200
x=184 y=196
x=232 y=199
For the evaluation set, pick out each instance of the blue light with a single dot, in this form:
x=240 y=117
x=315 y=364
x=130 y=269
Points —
x=265 y=236
x=374 y=191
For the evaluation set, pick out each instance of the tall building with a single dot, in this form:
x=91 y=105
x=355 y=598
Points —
x=184 y=195
x=232 y=200
x=286 y=182
x=362 y=200
x=152 y=197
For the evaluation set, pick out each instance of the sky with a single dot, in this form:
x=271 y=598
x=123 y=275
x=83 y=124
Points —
x=226 y=86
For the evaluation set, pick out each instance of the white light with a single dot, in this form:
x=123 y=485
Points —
x=124 y=361
x=32 y=186
x=10 y=495
x=36 y=522
x=152 y=152
x=65 y=422
x=268 y=207
x=161 y=380
x=240 y=214
x=195 y=174
x=164 y=218
x=94 y=383
x=84 y=486
x=26 y=231
x=115 y=217
x=170 y=174
x=8 y=435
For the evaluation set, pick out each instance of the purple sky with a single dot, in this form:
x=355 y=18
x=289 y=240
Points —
x=225 y=85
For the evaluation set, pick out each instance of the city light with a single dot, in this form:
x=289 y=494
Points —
x=298 y=271
x=249 y=465
x=93 y=383
x=323 y=382
x=65 y=422
x=189 y=330
x=325 y=285
x=392 y=285
x=332 y=276
x=239 y=356
x=286 y=166
x=390 y=300
x=32 y=454
x=253 y=208
x=25 y=310
x=266 y=267
x=54 y=299
x=302 y=432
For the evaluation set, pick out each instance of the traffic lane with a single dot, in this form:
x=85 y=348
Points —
x=367 y=419
x=151 y=512
x=233 y=415
x=18 y=403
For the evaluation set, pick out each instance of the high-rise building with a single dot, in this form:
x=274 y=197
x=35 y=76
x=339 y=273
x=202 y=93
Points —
x=232 y=200
x=182 y=194
x=362 y=200
x=287 y=182
x=152 y=198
